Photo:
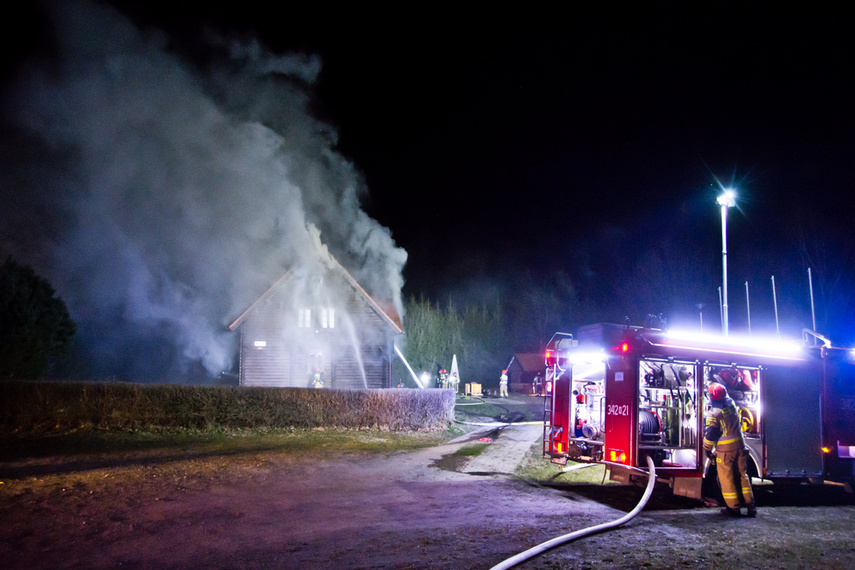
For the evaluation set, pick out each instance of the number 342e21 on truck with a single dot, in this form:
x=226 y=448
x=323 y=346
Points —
x=618 y=394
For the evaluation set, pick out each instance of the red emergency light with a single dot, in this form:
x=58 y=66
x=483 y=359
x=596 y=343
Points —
x=551 y=358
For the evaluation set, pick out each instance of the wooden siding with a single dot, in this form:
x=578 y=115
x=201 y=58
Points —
x=375 y=363
x=283 y=363
x=271 y=365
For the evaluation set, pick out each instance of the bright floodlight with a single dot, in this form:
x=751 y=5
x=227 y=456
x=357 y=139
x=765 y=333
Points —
x=771 y=346
x=728 y=198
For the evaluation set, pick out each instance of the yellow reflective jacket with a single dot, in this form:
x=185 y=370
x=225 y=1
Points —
x=723 y=430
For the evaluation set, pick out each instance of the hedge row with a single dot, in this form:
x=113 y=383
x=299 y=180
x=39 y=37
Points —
x=50 y=406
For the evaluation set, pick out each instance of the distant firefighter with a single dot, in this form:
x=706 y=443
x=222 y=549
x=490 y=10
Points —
x=442 y=379
x=318 y=379
x=503 y=384
x=454 y=382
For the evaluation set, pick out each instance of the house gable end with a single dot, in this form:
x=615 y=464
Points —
x=295 y=331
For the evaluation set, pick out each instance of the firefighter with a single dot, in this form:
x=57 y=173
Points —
x=454 y=382
x=723 y=431
x=538 y=384
x=503 y=384
x=442 y=379
x=318 y=379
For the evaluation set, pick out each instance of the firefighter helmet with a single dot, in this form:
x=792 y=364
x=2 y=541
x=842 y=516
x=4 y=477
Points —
x=717 y=391
x=728 y=377
x=746 y=383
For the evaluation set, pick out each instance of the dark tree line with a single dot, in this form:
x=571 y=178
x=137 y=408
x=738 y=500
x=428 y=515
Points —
x=36 y=330
x=485 y=331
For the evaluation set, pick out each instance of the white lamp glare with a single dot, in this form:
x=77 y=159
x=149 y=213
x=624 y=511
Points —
x=728 y=198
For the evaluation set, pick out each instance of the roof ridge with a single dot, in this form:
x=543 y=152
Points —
x=348 y=277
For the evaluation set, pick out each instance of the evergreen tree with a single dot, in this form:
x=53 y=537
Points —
x=35 y=327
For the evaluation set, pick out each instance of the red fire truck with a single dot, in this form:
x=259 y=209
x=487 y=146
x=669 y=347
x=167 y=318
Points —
x=617 y=394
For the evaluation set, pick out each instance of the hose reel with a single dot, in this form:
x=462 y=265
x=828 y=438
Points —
x=648 y=423
x=747 y=420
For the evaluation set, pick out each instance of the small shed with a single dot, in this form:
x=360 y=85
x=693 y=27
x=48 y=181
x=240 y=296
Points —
x=522 y=369
x=317 y=323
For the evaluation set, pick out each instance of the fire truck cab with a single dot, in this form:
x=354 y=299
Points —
x=618 y=394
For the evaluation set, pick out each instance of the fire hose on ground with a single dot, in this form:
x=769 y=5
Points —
x=543 y=547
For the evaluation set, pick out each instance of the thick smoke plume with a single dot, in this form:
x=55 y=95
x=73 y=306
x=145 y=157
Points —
x=161 y=199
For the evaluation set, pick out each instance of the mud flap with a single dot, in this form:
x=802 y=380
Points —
x=619 y=475
x=691 y=487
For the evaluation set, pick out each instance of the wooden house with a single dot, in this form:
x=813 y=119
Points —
x=317 y=323
x=522 y=369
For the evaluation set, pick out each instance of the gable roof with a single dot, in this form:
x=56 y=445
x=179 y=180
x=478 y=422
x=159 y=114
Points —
x=529 y=361
x=387 y=313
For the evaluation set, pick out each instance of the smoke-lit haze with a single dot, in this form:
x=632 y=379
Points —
x=161 y=199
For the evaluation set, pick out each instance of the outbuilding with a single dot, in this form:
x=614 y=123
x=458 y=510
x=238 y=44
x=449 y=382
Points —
x=522 y=369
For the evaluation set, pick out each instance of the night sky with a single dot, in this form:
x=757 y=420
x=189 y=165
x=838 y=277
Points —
x=508 y=138
x=583 y=138
x=513 y=139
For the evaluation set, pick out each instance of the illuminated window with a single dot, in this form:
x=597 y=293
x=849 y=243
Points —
x=328 y=318
x=304 y=318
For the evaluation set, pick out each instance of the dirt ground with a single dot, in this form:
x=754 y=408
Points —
x=429 y=508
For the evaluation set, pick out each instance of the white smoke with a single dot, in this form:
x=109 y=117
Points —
x=179 y=195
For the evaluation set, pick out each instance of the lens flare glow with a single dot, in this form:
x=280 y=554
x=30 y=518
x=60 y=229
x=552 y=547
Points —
x=728 y=198
x=577 y=357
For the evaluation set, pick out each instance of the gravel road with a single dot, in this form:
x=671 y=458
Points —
x=431 y=508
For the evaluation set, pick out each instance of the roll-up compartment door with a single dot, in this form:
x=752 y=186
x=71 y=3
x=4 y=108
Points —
x=792 y=421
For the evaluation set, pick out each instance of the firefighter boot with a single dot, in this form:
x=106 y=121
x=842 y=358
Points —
x=752 y=510
x=727 y=511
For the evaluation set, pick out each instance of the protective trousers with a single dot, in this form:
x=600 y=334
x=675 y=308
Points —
x=732 y=469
